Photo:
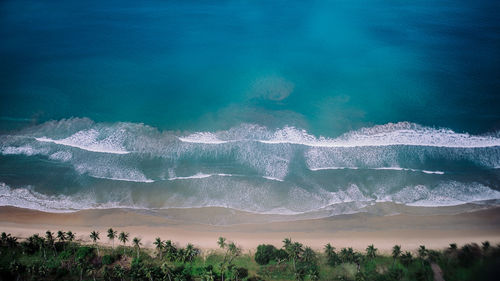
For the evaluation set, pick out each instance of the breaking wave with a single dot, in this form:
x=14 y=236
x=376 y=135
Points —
x=403 y=133
x=248 y=167
x=28 y=198
x=381 y=168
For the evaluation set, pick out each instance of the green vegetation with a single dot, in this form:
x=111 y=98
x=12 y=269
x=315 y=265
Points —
x=59 y=257
x=470 y=262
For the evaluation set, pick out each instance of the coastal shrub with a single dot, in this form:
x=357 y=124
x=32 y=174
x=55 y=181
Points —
x=422 y=272
x=107 y=274
x=214 y=258
x=433 y=255
x=306 y=269
x=468 y=254
x=406 y=258
x=80 y=262
x=347 y=271
x=348 y=255
x=108 y=259
x=241 y=272
x=61 y=272
x=118 y=272
x=332 y=258
x=60 y=246
x=85 y=253
x=254 y=278
x=280 y=255
x=199 y=270
x=370 y=267
x=276 y=271
x=265 y=253
x=395 y=273
x=64 y=255
x=137 y=262
x=360 y=276
x=29 y=247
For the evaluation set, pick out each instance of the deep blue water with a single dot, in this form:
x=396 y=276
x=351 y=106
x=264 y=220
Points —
x=131 y=84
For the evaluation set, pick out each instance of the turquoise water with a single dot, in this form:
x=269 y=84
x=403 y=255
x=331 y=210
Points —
x=264 y=106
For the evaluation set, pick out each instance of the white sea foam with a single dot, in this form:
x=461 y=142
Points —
x=23 y=149
x=124 y=179
x=111 y=172
x=253 y=152
x=63 y=156
x=89 y=140
x=433 y=172
x=402 y=133
x=379 y=168
x=202 y=137
x=392 y=168
x=255 y=199
x=333 y=168
x=196 y=176
x=409 y=169
x=199 y=176
x=445 y=194
x=26 y=197
x=351 y=194
x=272 y=178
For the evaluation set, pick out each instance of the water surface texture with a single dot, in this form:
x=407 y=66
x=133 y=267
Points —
x=278 y=107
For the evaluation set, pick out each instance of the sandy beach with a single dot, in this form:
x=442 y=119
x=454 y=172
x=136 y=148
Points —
x=416 y=226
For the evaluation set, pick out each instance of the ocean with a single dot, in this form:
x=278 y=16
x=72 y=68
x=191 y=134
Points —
x=269 y=107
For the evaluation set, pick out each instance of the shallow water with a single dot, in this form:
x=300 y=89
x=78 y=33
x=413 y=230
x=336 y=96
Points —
x=275 y=107
x=78 y=164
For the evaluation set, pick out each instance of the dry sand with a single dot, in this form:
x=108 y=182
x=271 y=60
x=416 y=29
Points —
x=419 y=226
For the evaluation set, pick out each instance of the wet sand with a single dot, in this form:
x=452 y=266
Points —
x=412 y=226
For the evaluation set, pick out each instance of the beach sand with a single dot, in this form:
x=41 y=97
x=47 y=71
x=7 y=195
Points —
x=433 y=227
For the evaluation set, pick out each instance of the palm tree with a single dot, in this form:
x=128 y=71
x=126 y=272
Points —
x=38 y=242
x=294 y=251
x=70 y=235
x=61 y=235
x=94 y=235
x=406 y=258
x=331 y=255
x=123 y=237
x=170 y=250
x=222 y=242
x=422 y=252
x=190 y=252
x=159 y=246
x=396 y=252
x=50 y=240
x=12 y=241
x=486 y=246
x=137 y=244
x=309 y=255
x=112 y=235
x=287 y=242
x=329 y=248
x=371 y=251
x=232 y=252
